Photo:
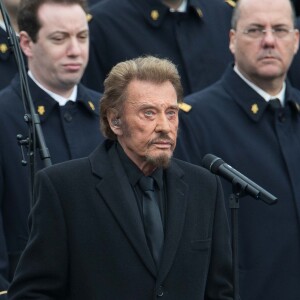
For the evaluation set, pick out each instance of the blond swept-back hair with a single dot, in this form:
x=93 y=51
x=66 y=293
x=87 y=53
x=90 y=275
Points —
x=148 y=68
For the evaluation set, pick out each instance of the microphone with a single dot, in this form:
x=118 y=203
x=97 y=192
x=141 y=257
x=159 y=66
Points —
x=217 y=166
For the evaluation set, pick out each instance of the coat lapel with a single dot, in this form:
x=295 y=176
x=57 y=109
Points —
x=116 y=191
x=177 y=191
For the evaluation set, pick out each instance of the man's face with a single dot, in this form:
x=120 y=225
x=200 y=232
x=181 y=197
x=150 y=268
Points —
x=267 y=57
x=149 y=124
x=60 y=54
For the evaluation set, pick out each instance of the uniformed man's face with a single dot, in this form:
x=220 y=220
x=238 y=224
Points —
x=149 y=124
x=60 y=54
x=267 y=57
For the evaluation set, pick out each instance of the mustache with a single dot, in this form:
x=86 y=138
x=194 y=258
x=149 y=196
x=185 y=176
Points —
x=163 y=137
x=269 y=53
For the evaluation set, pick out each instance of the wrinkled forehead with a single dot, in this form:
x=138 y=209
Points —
x=147 y=93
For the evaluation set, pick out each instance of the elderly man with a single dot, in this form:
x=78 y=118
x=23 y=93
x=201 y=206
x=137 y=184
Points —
x=129 y=222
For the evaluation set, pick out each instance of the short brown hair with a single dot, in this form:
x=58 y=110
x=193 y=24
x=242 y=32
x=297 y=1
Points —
x=28 y=10
x=149 y=68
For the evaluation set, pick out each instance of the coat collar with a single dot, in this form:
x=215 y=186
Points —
x=155 y=12
x=45 y=104
x=115 y=190
x=249 y=100
x=5 y=50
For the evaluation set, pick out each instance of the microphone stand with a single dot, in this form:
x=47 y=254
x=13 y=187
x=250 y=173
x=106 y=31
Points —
x=238 y=191
x=234 y=204
x=36 y=137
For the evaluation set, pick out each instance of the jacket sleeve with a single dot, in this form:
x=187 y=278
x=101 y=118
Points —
x=42 y=270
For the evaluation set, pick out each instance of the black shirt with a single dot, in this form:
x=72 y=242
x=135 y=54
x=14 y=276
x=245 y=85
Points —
x=134 y=174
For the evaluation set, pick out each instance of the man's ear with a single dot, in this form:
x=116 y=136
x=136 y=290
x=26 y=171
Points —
x=232 y=37
x=26 y=43
x=115 y=122
x=296 y=47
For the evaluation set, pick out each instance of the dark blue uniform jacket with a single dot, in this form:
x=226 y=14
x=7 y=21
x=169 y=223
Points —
x=196 y=41
x=230 y=120
x=70 y=131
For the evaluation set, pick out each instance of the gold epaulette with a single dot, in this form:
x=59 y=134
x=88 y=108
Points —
x=231 y=2
x=185 y=107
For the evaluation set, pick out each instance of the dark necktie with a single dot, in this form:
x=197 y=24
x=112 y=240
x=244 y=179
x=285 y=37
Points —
x=152 y=218
x=275 y=104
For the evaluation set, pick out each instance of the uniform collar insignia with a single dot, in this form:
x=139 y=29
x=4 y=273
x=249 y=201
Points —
x=185 y=107
x=91 y=105
x=231 y=2
x=154 y=14
x=3 y=48
x=254 y=108
x=41 y=110
x=89 y=17
x=199 y=12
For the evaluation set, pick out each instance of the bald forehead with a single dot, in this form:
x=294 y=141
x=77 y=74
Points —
x=267 y=5
x=264 y=8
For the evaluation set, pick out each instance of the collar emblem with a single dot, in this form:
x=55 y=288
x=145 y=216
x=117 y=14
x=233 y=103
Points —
x=254 y=108
x=41 y=110
x=154 y=15
x=91 y=104
x=3 y=48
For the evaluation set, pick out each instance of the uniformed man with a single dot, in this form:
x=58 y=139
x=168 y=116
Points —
x=235 y=119
x=54 y=37
x=191 y=33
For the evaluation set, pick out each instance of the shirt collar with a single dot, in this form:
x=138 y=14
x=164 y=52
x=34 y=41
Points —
x=134 y=173
x=2 y=25
x=182 y=8
x=61 y=100
x=262 y=93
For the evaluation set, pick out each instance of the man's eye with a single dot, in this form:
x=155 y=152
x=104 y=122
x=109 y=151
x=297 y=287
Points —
x=57 y=38
x=281 y=30
x=149 y=113
x=254 y=30
x=83 y=37
x=172 y=113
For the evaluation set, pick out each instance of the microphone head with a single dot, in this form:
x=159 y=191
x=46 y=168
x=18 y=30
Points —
x=212 y=163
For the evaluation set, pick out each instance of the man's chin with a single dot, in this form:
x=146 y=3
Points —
x=160 y=161
x=270 y=71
